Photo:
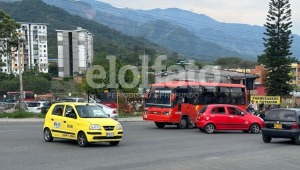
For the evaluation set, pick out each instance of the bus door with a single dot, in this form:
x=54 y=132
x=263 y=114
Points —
x=182 y=98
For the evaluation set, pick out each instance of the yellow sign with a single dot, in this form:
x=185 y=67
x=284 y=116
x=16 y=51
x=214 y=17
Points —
x=266 y=99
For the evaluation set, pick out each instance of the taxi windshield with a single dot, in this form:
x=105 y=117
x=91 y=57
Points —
x=89 y=111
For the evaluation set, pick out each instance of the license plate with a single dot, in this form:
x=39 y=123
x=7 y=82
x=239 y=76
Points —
x=278 y=126
x=109 y=134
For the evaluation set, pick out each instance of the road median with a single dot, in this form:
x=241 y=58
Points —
x=129 y=119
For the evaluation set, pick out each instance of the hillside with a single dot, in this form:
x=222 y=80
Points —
x=106 y=40
x=240 y=38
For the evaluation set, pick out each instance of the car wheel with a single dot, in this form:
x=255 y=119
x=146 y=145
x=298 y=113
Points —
x=183 y=124
x=266 y=139
x=114 y=143
x=48 y=135
x=255 y=128
x=82 y=140
x=209 y=128
x=297 y=140
x=160 y=125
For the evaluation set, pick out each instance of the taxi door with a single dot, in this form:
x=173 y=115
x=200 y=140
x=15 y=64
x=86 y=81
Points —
x=56 y=120
x=69 y=122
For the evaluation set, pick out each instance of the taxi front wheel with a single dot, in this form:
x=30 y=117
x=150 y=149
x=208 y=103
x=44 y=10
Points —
x=82 y=140
x=114 y=143
x=48 y=135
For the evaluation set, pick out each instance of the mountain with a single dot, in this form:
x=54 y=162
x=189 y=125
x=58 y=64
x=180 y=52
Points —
x=181 y=40
x=245 y=40
x=107 y=41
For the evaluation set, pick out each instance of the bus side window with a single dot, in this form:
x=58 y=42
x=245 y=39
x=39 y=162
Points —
x=223 y=95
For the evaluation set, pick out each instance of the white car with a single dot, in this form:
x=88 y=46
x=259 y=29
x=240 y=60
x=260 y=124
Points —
x=112 y=112
x=36 y=106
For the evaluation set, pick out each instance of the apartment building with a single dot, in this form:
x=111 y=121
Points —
x=75 y=51
x=33 y=50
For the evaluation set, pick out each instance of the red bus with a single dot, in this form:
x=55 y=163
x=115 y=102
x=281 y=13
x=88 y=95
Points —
x=28 y=95
x=108 y=98
x=177 y=102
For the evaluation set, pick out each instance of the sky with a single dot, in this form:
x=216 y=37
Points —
x=252 y=12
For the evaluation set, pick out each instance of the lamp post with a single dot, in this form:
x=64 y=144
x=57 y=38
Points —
x=21 y=99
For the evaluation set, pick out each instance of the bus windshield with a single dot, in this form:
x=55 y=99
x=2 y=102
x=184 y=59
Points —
x=159 y=98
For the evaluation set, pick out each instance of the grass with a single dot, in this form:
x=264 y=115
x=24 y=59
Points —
x=126 y=115
x=21 y=114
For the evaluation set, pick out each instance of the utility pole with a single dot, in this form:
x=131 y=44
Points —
x=21 y=99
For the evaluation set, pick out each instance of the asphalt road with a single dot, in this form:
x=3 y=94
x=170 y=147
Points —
x=145 y=147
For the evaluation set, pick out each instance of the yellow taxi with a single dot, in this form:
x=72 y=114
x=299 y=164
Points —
x=86 y=123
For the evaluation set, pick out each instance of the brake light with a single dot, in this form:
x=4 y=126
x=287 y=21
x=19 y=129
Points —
x=263 y=125
x=114 y=112
x=295 y=126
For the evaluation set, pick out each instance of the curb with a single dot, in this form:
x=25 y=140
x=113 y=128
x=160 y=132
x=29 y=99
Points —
x=42 y=120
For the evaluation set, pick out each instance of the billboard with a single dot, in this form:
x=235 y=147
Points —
x=266 y=99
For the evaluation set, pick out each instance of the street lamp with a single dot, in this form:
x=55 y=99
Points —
x=21 y=99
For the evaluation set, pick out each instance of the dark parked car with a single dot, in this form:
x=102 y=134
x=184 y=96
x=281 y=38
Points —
x=282 y=123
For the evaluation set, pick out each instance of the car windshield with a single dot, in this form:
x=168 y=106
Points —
x=281 y=115
x=89 y=111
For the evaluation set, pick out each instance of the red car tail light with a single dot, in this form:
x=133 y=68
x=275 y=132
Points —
x=114 y=112
x=295 y=126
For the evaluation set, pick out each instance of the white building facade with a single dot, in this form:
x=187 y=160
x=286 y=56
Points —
x=75 y=51
x=33 y=50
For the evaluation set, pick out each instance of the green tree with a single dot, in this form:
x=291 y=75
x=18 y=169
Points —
x=8 y=34
x=277 y=56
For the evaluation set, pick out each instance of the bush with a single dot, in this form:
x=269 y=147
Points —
x=21 y=114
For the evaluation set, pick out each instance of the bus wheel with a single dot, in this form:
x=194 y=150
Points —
x=183 y=123
x=160 y=125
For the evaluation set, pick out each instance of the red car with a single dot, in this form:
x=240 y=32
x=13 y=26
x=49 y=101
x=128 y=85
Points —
x=227 y=117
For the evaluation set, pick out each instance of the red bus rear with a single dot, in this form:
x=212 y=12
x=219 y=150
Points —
x=28 y=96
x=108 y=98
x=177 y=102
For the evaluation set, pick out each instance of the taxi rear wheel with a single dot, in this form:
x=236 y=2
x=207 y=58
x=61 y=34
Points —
x=48 y=135
x=114 y=143
x=82 y=140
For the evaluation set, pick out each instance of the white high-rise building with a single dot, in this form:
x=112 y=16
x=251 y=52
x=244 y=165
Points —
x=75 y=51
x=33 y=50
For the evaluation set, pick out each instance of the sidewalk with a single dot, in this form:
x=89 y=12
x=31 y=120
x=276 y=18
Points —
x=129 y=119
